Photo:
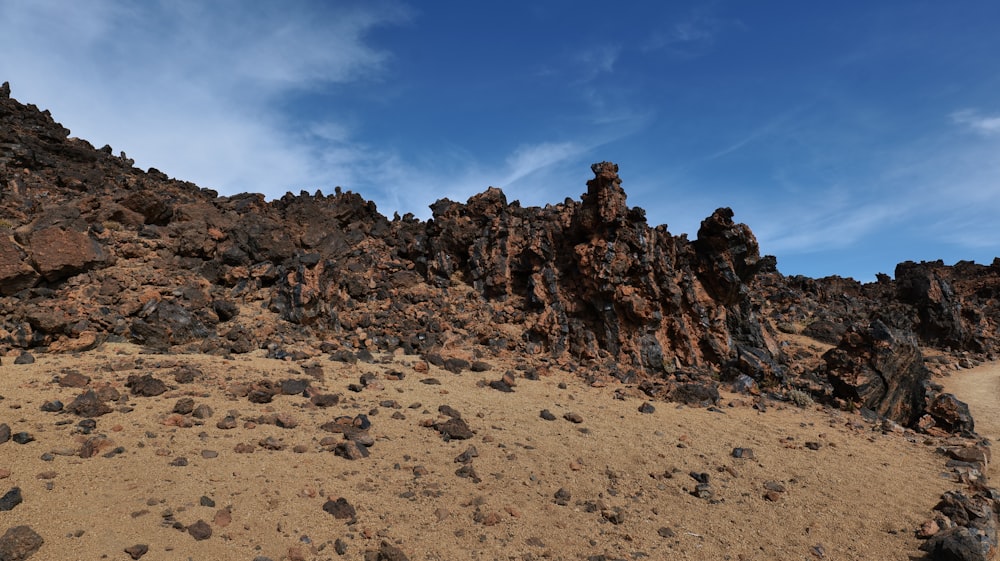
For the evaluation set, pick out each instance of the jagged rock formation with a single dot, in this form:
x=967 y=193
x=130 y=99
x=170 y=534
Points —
x=93 y=249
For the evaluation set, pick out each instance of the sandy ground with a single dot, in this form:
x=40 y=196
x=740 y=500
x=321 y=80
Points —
x=980 y=388
x=859 y=495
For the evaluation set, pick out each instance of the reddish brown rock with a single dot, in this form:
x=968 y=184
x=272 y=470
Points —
x=15 y=272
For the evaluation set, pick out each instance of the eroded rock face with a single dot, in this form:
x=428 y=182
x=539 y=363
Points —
x=93 y=249
x=881 y=369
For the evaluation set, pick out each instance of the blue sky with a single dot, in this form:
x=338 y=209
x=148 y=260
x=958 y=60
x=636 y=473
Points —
x=850 y=136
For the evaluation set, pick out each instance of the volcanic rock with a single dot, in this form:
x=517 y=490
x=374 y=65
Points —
x=19 y=543
x=881 y=369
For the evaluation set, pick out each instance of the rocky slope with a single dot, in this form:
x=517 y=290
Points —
x=93 y=249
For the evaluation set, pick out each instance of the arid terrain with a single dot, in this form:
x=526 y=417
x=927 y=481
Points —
x=850 y=491
x=192 y=376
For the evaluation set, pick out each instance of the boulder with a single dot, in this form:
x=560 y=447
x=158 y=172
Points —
x=881 y=369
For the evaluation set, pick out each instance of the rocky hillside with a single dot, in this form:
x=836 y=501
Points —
x=93 y=249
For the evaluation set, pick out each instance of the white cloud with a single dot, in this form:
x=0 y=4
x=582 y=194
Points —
x=195 y=89
x=972 y=119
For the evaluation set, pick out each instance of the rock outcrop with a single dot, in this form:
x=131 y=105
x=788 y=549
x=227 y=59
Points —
x=93 y=249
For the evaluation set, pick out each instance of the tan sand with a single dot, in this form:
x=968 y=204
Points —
x=860 y=496
x=980 y=388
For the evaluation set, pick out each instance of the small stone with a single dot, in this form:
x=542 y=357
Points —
x=202 y=412
x=73 y=379
x=88 y=404
x=813 y=445
x=19 y=543
x=774 y=486
x=386 y=552
x=53 y=406
x=324 y=400
x=200 y=530
x=340 y=509
x=206 y=501
x=145 y=386
x=184 y=406
x=10 y=500
x=573 y=418
x=665 y=532
x=137 y=551
x=647 y=408
x=928 y=529
x=351 y=450
x=772 y=496
x=25 y=358
x=4 y=432
x=562 y=497
x=179 y=462
x=23 y=438
x=226 y=423
x=468 y=472
x=466 y=457
x=223 y=517
x=209 y=454
x=547 y=415
x=454 y=429
x=744 y=453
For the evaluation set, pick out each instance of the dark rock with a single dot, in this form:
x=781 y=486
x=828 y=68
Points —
x=456 y=365
x=11 y=499
x=665 y=532
x=826 y=331
x=340 y=509
x=4 y=432
x=137 y=551
x=562 y=497
x=501 y=385
x=200 y=530
x=647 y=408
x=480 y=366
x=467 y=456
x=454 y=429
x=294 y=387
x=53 y=406
x=89 y=405
x=961 y=544
x=202 y=411
x=573 y=417
x=468 y=472
x=547 y=415
x=226 y=423
x=324 y=400
x=881 y=369
x=449 y=411
x=695 y=393
x=351 y=450
x=25 y=358
x=952 y=414
x=23 y=437
x=145 y=386
x=73 y=379
x=184 y=406
x=19 y=543
x=386 y=552
x=744 y=453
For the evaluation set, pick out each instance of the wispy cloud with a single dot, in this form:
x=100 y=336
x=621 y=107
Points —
x=195 y=89
x=688 y=37
x=974 y=120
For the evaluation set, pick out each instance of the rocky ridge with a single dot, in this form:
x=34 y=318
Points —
x=94 y=250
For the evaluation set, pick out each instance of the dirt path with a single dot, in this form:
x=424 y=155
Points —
x=980 y=388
